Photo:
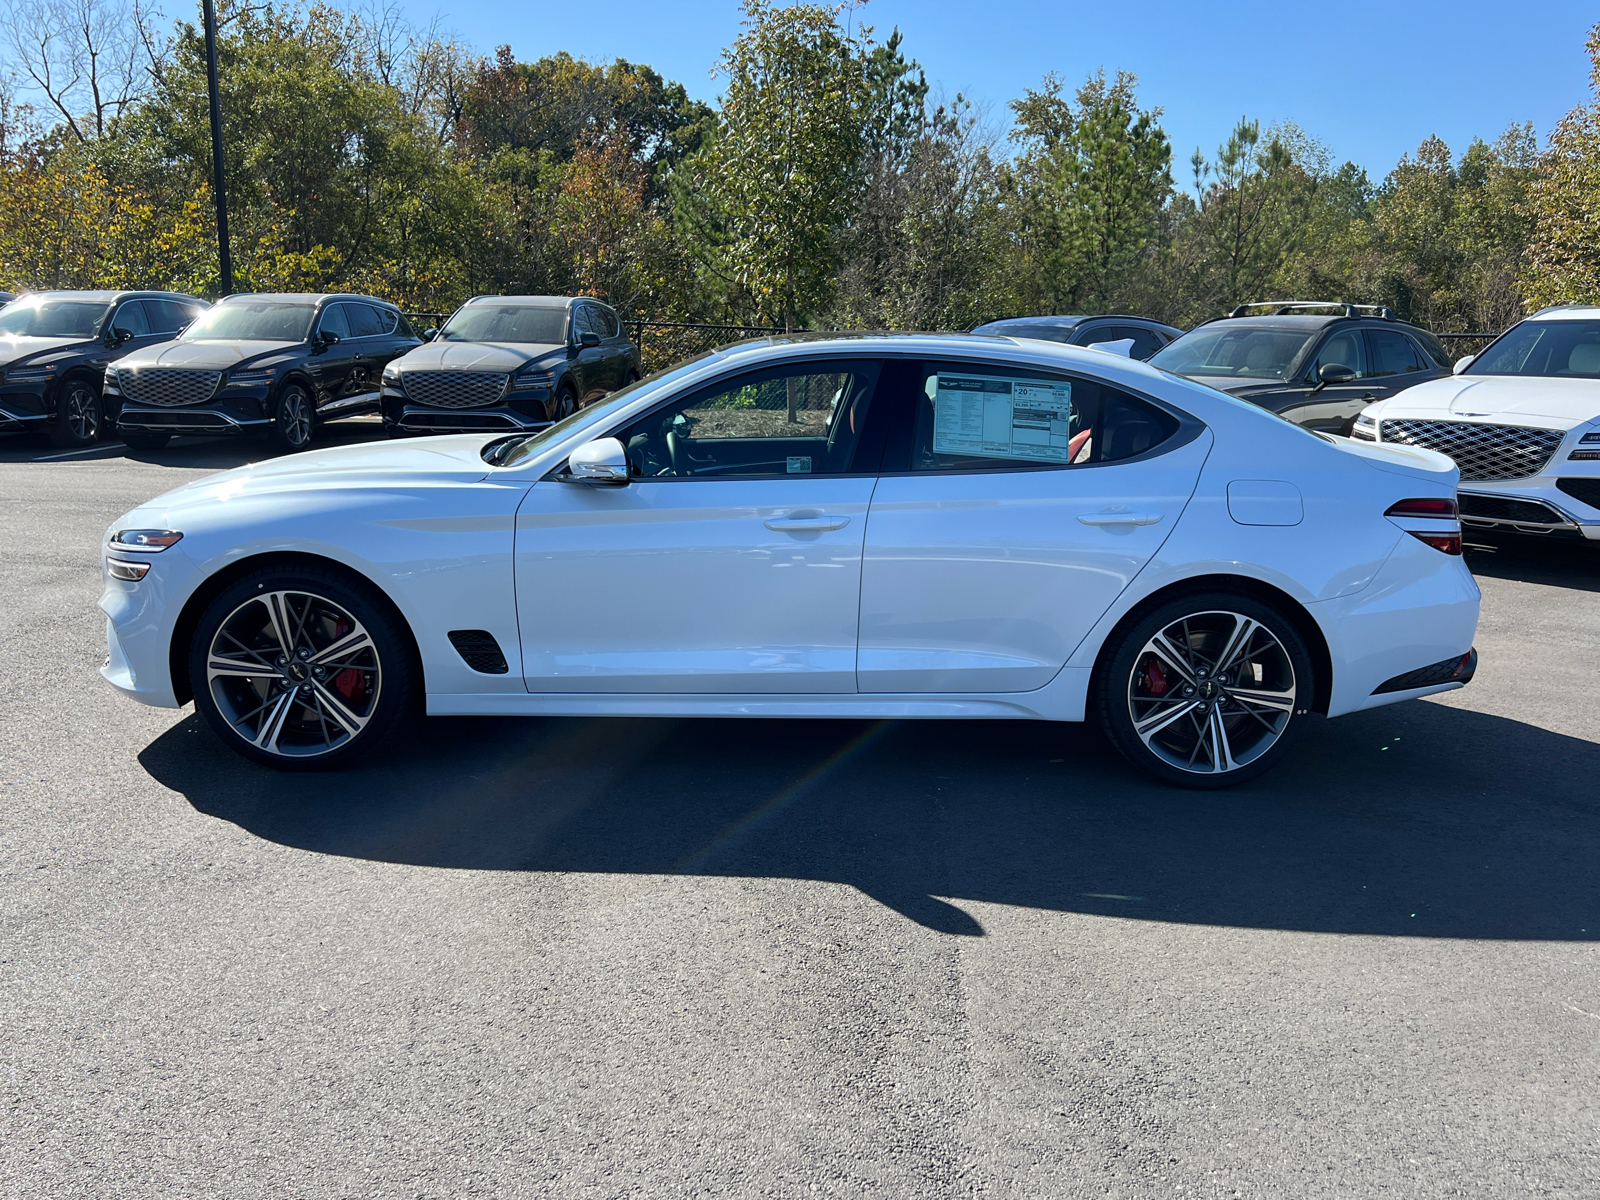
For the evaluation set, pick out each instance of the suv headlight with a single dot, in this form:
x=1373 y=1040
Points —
x=1366 y=422
x=391 y=376
x=111 y=379
x=532 y=379
x=31 y=374
x=251 y=378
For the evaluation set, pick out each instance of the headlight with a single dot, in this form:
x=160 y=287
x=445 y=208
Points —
x=251 y=378
x=150 y=541
x=1367 y=421
x=533 y=379
x=111 y=377
x=1590 y=439
x=391 y=377
x=30 y=374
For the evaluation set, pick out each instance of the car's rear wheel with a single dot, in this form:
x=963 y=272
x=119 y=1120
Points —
x=1207 y=690
x=143 y=439
x=566 y=404
x=78 y=414
x=295 y=421
x=301 y=669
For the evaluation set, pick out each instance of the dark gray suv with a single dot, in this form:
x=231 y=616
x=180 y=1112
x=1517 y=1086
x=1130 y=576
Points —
x=503 y=364
x=1146 y=335
x=1312 y=362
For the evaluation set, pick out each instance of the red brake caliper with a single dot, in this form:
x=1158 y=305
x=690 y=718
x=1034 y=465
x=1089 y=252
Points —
x=349 y=683
x=1154 y=679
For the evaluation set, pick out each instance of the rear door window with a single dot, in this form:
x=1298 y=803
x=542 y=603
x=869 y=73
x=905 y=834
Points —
x=166 y=316
x=1145 y=341
x=1393 y=353
x=984 y=417
x=364 y=320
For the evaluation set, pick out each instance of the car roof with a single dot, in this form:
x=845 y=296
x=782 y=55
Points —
x=304 y=297
x=536 y=301
x=1568 y=312
x=102 y=296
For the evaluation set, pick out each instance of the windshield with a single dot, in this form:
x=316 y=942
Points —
x=53 y=318
x=1223 y=350
x=506 y=323
x=506 y=454
x=1534 y=348
x=252 y=321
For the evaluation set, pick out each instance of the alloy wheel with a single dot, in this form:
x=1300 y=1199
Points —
x=1212 y=692
x=80 y=408
x=295 y=418
x=294 y=674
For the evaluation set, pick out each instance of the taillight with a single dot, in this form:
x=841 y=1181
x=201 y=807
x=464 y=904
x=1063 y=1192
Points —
x=1433 y=520
x=1426 y=506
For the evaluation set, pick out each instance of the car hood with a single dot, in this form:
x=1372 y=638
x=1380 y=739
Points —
x=372 y=467
x=1555 y=403
x=34 y=349
x=475 y=356
x=208 y=356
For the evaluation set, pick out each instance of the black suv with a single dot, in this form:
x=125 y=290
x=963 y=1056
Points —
x=1147 y=336
x=1317 y=369
x=507 y=363
x=274 y=364
x=55 y=347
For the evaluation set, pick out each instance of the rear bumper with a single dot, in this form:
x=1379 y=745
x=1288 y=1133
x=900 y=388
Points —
x=1420 y=611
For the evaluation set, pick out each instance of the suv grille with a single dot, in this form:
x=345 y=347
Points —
x=1481 y=451
x=455 y=389
x=168 y=386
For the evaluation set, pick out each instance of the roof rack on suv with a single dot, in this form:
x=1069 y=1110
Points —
x=1281 y=307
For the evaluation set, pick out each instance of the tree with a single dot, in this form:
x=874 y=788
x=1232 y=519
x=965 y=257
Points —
x=91 y=60
x=1091 y=184
x=1563 y=254
x=765 y=200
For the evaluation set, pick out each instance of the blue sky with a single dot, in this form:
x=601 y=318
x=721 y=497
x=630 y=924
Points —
x=1370 y=80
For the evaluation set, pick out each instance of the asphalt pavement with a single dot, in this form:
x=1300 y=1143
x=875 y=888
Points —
x=672 y=958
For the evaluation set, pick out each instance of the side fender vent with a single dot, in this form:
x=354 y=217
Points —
x=480 y=651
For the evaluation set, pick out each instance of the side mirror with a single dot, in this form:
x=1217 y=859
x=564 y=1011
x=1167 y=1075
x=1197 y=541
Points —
x=328 y=337
x=589 y=340
x=1335 y=373
x=116 y=337
x=430 y=333
x=1462 y=364
x=602 y=462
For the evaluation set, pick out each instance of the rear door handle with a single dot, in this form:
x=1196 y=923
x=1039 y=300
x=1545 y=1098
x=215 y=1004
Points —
x=1120 y=518
x=806 y=524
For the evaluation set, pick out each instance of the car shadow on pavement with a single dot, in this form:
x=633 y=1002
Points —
x=1556 y=562
x=194 y=453
x=1418 y=820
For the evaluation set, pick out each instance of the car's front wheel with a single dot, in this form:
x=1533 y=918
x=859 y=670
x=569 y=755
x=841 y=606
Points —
x=1206 y=690
x=295 y=421
x=301 y=669
x=78 y=414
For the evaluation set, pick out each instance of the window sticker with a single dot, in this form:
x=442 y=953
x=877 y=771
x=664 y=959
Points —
x=799 y=465
x=986 y=417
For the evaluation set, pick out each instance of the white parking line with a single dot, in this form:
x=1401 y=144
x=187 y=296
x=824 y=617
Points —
x=90 y=450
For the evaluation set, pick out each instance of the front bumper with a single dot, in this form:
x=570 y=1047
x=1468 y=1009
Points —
x=225 y=417
x=139 y=620
x=1557 y=505
x=22 y=405
x=516 y=414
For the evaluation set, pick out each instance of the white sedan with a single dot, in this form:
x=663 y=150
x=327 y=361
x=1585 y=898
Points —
x=917 y=526
x=1521 y=420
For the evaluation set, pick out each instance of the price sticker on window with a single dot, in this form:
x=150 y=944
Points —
x=988 y=417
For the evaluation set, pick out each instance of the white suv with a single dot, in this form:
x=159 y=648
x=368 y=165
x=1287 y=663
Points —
x=1521 y=420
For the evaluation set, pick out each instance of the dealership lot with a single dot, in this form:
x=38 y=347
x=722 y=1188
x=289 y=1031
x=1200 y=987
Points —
x=661 y=958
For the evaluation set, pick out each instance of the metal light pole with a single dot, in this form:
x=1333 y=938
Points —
x=224 y=257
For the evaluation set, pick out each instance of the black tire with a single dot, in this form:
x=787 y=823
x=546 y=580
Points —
x=1164 y=708
x=331 y=697
x=566 y=404
x=294 y=420
x=143 y=439
x=78 y=417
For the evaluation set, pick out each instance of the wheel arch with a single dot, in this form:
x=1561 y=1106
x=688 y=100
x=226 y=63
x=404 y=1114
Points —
x=215 y=584
x=1304 y=624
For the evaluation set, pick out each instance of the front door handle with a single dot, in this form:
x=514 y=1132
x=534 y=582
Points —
x=817 y=524
x=1119 y=518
